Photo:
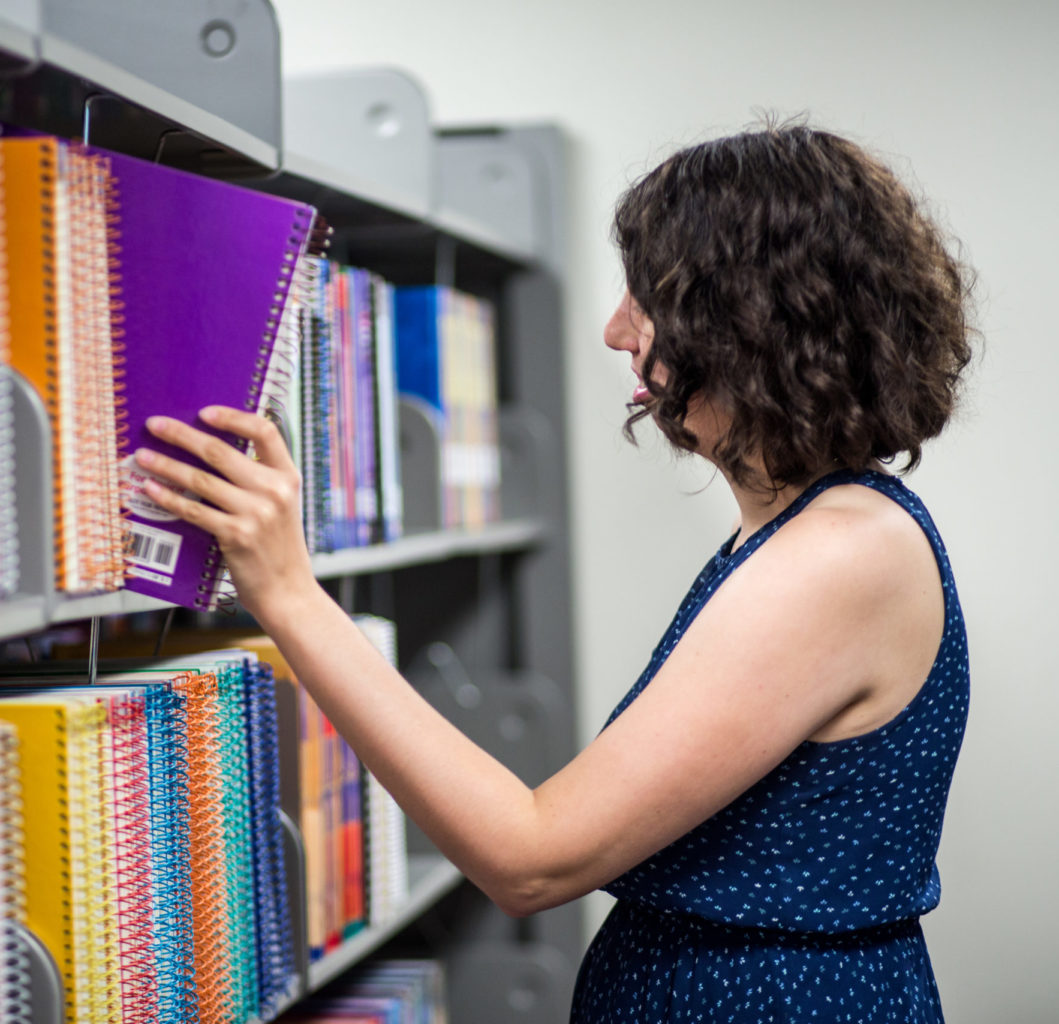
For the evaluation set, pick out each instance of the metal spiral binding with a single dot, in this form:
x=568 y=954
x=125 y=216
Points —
x=49 y=180
x=173 y=938
x=15 y=978
x=275 y=367
x=9 y=558
x=209 y=908
x=66 y=974
x=132 y=833
x=277 y=969
x=97 y=981
x=238 y=867
x=89 y=378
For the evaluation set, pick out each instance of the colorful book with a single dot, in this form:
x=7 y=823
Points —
x=9 y=564
x=388 y=441
x=446 y=363
x=62 y=320
x=15 y=993
x=207 y=274
x=365 y=436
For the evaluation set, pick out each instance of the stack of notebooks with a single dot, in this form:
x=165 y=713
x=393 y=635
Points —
x=446 y=360
x=356 y=861
x=135 y=289
x=111 y=322
x=364 y=345
x=343 y=416
x=381 y=992
x=153 y=851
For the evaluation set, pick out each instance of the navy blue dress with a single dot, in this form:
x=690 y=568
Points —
x=800 y=901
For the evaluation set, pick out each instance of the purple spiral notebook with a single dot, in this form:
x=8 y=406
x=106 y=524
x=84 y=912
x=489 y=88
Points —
x=207 y=275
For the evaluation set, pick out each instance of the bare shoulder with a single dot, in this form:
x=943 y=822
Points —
x=869 y=567
x=859 y=533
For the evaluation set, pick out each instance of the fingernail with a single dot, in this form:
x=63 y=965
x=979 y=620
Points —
x=209 y=414
x=144 y=455
x=154 y=423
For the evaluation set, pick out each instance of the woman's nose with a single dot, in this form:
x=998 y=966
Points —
x=619 y=332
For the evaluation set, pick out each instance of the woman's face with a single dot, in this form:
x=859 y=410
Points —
x=629 y=329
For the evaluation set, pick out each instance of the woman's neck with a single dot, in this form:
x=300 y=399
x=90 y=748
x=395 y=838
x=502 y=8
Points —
x=759 y=505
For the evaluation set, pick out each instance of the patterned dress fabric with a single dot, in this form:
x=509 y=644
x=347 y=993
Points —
x=800 y=901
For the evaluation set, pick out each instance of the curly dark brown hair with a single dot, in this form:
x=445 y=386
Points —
x=791 y=278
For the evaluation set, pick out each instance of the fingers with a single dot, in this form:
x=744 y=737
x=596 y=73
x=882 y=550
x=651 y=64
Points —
x=215 y=452
x=195 y=512
x=263 y=433
x=198 y=481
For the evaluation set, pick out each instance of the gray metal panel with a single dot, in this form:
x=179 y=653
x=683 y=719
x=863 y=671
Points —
x=484 y=180
x=221 y=56
x=510 y=982
x=19 y=35
x=33 y=491
x=48 y=999
x=364 y=129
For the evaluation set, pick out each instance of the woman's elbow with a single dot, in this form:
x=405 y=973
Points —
x=523 y=897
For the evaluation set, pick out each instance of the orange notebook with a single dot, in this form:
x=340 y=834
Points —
x=60 y=217
x=209 y=906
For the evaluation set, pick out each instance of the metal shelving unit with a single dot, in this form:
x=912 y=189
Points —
x=197 y=85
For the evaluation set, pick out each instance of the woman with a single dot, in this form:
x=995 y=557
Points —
x=767 y=810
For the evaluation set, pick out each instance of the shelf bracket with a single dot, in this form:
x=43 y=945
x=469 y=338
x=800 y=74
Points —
x=49 y=1004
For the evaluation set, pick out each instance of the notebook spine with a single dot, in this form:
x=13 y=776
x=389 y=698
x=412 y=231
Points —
x=275 y=933
x=132 y=833
x=9 y=563
x=97 y=992
x=64 y=881
x=238 y=867
x=114 y=314
x=170 y=839
x=49 y=176
x=277 y=357
x=209 y=908
x=15 y=980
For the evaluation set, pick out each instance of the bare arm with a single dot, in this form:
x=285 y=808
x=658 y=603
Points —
x=787 y=644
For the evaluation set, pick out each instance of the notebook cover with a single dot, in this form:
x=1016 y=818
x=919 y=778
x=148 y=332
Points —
x=364 y=436
x=209 y=906
x=15 y=992
x=9 y=568
x=206 y=271
x=44 y=727
x=31 y=172
x=90 y=384
x=388 y=436
x=275 y=952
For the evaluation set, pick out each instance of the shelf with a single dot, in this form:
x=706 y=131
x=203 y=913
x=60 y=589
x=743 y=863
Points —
x=416 y=549
x=172 y=82
x=430 y=878
x=73 y=60
x=30 y=614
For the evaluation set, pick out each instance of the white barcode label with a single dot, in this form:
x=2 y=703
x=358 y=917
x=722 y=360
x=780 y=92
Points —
x=154 y=548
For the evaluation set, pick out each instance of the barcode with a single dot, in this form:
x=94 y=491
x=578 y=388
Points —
x=157 y=549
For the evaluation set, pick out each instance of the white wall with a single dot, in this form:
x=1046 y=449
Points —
x=965 y=95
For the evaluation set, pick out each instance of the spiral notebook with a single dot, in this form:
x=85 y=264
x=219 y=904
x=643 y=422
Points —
x=9 y=574
x=15 y=994
x=58 y=216
x=207 y=272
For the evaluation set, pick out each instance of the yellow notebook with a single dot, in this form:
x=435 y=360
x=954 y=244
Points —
x=15 y=993
x=65 y=825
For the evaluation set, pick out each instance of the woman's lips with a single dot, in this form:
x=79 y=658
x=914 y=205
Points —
x=640 y=394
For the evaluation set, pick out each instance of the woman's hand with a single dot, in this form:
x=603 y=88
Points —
x=256 y=516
